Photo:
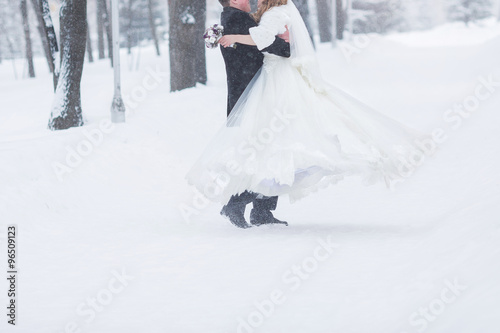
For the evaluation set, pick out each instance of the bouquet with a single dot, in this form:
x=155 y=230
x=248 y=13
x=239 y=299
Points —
x=212 y=36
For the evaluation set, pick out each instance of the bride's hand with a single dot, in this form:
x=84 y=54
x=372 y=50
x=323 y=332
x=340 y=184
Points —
x=228 y=40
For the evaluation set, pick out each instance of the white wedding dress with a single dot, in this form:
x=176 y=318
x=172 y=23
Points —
x=291 y=133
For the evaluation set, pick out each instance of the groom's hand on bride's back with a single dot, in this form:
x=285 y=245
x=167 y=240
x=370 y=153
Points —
x=281 y=45
x=285 y=36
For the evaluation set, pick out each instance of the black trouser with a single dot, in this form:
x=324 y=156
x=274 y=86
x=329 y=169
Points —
x=264 y=204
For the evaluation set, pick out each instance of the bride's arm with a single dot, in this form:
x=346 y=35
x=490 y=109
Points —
x=272 y=23
x=229 y=40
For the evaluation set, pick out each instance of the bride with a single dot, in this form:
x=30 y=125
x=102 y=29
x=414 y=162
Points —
x=291 y=133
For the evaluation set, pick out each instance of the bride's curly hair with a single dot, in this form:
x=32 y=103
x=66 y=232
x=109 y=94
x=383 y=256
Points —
x=265 y=6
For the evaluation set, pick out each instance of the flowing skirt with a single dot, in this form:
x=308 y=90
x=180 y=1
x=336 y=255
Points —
x=286 y=136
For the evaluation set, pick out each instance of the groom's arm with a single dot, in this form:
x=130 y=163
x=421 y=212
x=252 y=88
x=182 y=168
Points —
x=280 y=48
x=239 y=23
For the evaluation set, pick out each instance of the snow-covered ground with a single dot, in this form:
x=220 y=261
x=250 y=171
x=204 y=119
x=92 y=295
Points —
x=103 y=246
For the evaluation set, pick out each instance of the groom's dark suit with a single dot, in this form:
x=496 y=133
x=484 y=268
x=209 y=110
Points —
x=245 y=61
x=242 y=63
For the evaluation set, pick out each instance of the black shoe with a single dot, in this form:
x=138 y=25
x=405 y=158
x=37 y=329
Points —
x=235 y=214
x=259 y=218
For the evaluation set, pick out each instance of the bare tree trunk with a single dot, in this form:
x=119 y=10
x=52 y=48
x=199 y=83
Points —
x=153 y=26
x=129 y=28
x=182 y=33
x=43 y=36
x=303 y=7
x=200 y=16
x=27 y=38
x=324 y=8
x=340 y=19
x=348 y=24
x=107 y=26
x=51 y=38
x=253 y=5
x=89 y=45
x=100 y=30
x=12 y=52
x=334 y=23
x=67 y=110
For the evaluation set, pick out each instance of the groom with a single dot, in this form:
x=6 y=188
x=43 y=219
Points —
x=242 y=63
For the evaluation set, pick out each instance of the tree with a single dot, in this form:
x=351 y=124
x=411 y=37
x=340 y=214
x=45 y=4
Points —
x=27 y=38
x=10 y=46
x=153 y=26
x=100 y=29
x=379 y=17
x=50 y=33
x=103 y=17
x=107 y=26
x=142 y=19
x=185 y=50
x=339 y=19
x=469 y=10
x=67 y=110
x=89 y=45
x=129 y=30
x=11 y=29
x=200 y=16
x=253 y=5
x=420 y=15
x=348 y=17
x=43 y=36
x=303 y=7
x=324 y=9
